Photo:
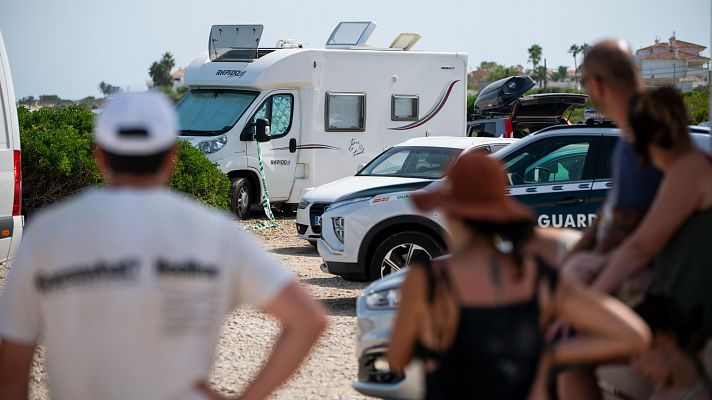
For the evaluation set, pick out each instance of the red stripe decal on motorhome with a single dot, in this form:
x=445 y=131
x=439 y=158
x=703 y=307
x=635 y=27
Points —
x=432 y=113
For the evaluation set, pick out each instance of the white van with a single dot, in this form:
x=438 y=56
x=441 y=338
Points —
x=317 y=113
x=11 y=219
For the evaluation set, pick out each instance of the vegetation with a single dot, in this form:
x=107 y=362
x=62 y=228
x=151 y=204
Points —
x=697 y=102
x=535 y=53
x=57 y=160
x=560 y=73
x=107 y=89
x=160 y=71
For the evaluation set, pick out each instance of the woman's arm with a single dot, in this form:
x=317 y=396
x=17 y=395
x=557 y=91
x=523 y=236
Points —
x=405 y=329
x=611 y=329
x=678 y=196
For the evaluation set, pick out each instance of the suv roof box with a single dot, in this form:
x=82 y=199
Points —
x=498 y=96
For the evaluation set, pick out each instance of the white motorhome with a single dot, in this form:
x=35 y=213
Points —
x=11 y=219
x=316 y=113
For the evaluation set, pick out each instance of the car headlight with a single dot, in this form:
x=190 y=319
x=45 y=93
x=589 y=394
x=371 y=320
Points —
x=303 y=203
x=213 y=145
x=384 y=299
x=338 y=224
x=347 y=202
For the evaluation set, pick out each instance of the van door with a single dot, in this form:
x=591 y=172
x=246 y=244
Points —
x=7 y=177
x=279 y=155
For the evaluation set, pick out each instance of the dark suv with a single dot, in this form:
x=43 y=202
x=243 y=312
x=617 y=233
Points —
x=501 y=110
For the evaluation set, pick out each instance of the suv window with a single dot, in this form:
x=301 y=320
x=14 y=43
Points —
x=550 y=161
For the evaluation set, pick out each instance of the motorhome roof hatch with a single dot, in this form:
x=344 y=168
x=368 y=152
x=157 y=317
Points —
x=234 y=42
x=348 y=35
x=405 y=41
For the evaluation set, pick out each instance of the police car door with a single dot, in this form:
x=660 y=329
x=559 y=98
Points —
x=554 y=176
x=279 y=154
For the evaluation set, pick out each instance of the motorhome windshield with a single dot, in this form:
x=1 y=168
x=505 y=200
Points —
x=412 y=162
x=212 y=112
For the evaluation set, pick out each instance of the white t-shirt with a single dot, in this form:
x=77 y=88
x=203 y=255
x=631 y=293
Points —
x=129 y=289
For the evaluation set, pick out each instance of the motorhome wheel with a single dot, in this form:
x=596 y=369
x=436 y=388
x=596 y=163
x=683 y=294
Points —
x=398 y=250
x=240 y=197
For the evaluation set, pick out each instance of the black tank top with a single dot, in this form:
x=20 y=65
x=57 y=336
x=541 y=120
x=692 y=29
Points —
x=495 y=352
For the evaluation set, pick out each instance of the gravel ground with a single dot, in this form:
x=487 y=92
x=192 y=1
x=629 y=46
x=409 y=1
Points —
x=248 y=333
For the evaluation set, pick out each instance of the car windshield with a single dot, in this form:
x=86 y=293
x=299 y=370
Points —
x=212 y=112
x=411 y=162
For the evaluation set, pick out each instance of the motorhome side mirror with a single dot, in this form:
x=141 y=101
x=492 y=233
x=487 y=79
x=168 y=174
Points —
x=360 y=167
x=262 y=130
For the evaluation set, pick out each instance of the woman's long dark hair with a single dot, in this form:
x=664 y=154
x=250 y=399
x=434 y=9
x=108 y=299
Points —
x=659 y=117
x=508 y=238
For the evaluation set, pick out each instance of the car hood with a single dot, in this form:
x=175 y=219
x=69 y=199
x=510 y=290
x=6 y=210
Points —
x=390 y=281
x=363 y=186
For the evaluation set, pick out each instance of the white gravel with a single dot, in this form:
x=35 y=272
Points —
x=248 y=333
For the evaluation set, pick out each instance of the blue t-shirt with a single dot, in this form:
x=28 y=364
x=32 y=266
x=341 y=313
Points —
x=634 y=185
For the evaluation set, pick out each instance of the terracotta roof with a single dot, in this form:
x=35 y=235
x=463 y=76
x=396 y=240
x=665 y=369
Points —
x=687 y=45
x=178 y=74
x=671 y=56
x=478 y=74
x=656 y=46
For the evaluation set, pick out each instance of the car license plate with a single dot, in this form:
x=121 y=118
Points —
x=317 y=220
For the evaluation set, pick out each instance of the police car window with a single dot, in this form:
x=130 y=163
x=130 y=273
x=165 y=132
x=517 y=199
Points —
x=412 y=162
x=549 y=162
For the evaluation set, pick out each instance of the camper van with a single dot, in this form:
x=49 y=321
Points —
x=11 y=220
x=314 y=114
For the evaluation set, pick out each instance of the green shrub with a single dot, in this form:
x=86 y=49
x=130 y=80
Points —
x=57 y=160
x=697 y=102
x=196 y=175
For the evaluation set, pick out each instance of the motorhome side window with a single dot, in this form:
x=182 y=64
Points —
x=345 y=112
x=404 y=107
x=278 y=110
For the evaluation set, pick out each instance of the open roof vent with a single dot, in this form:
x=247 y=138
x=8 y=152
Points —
x=234 y=42
x=348 y=35
x=405 y=41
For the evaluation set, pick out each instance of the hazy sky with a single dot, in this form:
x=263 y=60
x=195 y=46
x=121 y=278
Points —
x=66 y=47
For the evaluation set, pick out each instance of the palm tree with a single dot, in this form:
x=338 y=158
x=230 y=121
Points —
x=574 y=50
x=535 y=56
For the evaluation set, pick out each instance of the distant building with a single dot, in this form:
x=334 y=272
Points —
x=673 y=63
x=177 y=76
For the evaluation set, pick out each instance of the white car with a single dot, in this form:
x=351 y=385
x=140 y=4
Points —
x=11 y=219
x=410 y=165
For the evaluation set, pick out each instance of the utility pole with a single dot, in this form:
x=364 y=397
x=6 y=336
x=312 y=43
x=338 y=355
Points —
x=545 y=73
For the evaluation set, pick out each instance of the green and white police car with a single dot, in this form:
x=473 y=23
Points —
x=562 y=172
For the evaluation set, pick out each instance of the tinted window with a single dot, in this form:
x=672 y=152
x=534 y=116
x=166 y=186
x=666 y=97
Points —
x=411 y=162
x=345 y=112
x=549 y=161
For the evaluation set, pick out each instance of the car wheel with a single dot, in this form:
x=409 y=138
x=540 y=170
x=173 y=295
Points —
x=240 y=197
x=398 y=250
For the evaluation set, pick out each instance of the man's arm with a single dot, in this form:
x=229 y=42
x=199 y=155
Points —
x=15 y=363
x=675 y=201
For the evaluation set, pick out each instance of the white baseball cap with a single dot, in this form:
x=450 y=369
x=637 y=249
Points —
x=136 y=124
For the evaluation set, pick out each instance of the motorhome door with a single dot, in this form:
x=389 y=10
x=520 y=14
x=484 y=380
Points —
x=279 y=154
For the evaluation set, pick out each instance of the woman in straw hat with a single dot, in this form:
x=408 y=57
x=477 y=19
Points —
x=476 y=317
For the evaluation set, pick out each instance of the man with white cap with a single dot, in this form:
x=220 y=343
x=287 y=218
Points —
x=128 y=285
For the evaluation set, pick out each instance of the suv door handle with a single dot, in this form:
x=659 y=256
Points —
x=569 y=201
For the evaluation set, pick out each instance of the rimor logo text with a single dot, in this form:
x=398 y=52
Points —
x=230 y=72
